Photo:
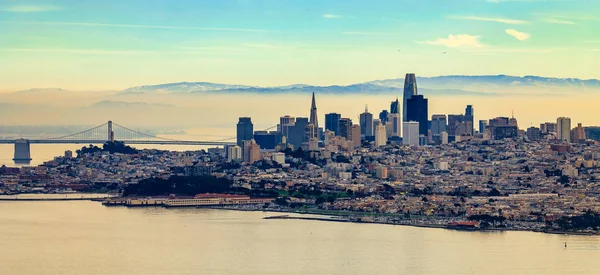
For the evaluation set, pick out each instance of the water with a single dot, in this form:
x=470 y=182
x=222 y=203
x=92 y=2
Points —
x=83 y=237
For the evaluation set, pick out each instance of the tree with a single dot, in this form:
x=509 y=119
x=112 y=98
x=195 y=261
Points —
x=494 y=193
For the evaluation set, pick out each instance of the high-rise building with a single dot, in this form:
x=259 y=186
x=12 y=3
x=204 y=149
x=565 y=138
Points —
x=410 y=89
x=297 y=132
x=366 y=124
x=534 y=133
x=453 y=122
x=502 y=132
x=356 y=135
x=345 y=128
x=332 y=121
x=438 y=124
x=395 y=107
x=411 y=133
x=563 y=125
x=383 y=116
x=482 y=126
x=469 y=117
x=268 y=140
x=245 y=130
x=309 y=132
x=380 y=135
x=234 y=153
x=417 y=110
x=375 y=123
x=285 y=121
x=394 y=125
x=314 y=119
x=444 y=137
x=578 y=134
x=251 y=151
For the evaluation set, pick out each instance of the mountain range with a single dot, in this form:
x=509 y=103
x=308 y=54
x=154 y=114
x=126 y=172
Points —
x=452 y=84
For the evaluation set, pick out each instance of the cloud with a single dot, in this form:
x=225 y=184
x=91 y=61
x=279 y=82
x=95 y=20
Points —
x=458 y=41
x=559 y=21
x=30 y=8
x=491 y=19
x=331 y=16
x=108 y=25
x=517 y=34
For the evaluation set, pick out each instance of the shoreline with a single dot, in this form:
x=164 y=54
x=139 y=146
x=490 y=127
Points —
x=418 y=225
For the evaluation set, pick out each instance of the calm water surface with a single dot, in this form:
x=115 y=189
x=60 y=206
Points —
x=82 y=237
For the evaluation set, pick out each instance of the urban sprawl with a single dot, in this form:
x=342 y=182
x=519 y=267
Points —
x=403 y=167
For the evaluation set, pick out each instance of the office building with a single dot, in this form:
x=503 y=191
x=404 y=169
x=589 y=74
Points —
x=453 y=122
x=469 y=116
x=314 y=119
x=380 y=135
x=383 y=116
x=563 y=129
x=251 y=151
x=410 y=89
x=482 y=126
x=345 y=128
x=268 y=140
x=411 y=133
x=356 y=135
x=533 y=133
x=395 y=107
x=332 y=121
x=438 y=124
x=394 y=125
x=278 y=157
x=234 y=153
x=245 y=130
x=366 y=124
x=548 y=127
x=417 y=110
x=297 y=133
x=285 y=121
x=503 y=132
x=444 y=138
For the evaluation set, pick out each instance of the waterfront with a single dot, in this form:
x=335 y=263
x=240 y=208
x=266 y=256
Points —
x=86 y=238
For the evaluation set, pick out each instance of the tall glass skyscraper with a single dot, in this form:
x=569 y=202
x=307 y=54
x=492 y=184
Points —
x=469 y=117
x=366 y=124
x=410 y=89
x=417 y=110
x=395 y=107
x=332 y=121
x=245 y=130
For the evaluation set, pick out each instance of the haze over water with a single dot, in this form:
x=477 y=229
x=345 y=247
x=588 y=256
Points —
x=87 y=238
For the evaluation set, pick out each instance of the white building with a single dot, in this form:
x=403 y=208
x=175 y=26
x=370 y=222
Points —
x=563 y=129
x=444 y=137
x=411 y=133
x=234 y=153
x=278 y=157
x=380 y=135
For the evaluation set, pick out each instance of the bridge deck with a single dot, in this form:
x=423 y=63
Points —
x=131 y=142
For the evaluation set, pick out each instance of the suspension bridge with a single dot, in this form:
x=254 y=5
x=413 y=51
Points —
x=108 y=131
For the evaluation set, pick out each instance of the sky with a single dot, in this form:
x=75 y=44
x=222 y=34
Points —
x=116 y=44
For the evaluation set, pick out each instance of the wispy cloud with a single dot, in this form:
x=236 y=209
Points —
x=30 y=8
x=109 y=25
x=517 y=34
x=367 y=33
x=491 y=19
x=332 y=16
x=559 y=21
x=458 y=41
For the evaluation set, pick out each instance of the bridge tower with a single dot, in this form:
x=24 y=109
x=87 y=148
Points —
x=22 y=150
x=111 y=134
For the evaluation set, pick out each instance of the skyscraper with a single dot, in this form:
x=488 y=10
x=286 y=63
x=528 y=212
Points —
x=395 y=107
x=563 y=125
x=332 y=121
x=417 y=110
x=251 y=151
x=383 y=116
x=453 y=122
x=578 y=134
x=345 y=128
x=297 y=132
x=380 y=135
x=245 y=130
x=438 y=124
x=411 y=133
x=482 y=125
x=394 y=125
x=356 y=135
x=410 y=89
x=469 y=117
x=366 y=123
x=314 y=119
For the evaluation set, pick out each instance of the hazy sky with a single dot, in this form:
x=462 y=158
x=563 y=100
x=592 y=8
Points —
x=115 y=44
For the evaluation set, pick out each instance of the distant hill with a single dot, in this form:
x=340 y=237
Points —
x=452 y=84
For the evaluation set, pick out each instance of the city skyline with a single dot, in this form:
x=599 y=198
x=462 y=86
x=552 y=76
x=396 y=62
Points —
x=68 y=44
